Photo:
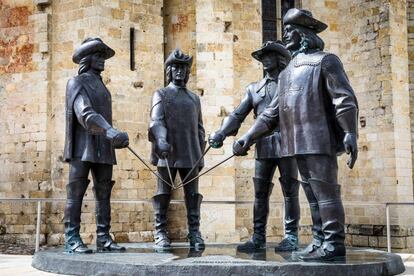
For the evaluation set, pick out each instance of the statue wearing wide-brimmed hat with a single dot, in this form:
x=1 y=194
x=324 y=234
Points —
x=178 y=141
x=316 y=112
x=275 y=58
x=90 y=145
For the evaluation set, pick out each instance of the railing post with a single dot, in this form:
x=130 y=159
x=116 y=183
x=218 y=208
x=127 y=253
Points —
x=387 y=214
x=39 y=211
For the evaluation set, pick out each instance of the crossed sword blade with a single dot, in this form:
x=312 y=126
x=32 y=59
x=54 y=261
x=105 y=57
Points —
x=169 y=172
x=151 y=170
x=183 y=182
x=200 y=175
x=195 y=166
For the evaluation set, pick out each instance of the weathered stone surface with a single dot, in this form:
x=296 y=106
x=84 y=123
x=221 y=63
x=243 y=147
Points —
x=141 y=259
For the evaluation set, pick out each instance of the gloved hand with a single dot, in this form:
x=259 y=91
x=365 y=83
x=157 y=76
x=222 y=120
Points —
x=241 y=146
x=119 y=139
x=350 y=143
x=216 y=139
x=162 y=148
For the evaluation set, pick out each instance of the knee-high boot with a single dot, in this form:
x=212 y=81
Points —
x=75 y=192
x=193 y=203
x=104 y=240
x=263 y=189
x=290 y=189
x=160 y=204
x=316 y=222
x=333 y=221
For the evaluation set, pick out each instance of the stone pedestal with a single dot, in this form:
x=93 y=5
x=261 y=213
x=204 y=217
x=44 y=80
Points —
x=142 y=259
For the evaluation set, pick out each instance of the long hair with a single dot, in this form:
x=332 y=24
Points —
x=168 y=74
x=282 y=63
x=84 y=64
x=310 y=40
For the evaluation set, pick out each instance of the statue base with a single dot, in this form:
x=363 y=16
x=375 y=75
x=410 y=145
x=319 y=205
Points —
x=216 y=259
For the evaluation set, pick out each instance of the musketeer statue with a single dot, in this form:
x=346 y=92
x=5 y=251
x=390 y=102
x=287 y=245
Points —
x=178 y=141
x=90 y=145
x=274 y=57
x=316 y=111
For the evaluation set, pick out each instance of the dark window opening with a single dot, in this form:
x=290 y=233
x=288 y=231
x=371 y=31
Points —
x=269 y=20
x=286 y=5
x=272 y=14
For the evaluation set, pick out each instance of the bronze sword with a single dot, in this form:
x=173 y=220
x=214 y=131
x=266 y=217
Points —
x=151 y=170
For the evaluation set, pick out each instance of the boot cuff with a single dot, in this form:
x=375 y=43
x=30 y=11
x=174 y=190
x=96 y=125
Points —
x=263 y=188
x=194 y=199
x=161 y=201
x=290 y=186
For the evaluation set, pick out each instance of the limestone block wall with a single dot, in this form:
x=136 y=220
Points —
x=364 y=64
x=180 y=31
x=248 y=38
x=24 y=163
x=383 y=104
x=131 y=96
x=410 y=42
x=37 y=45
x=375 y=58
x=201 y=28
x=214 y=40
x=374 y=52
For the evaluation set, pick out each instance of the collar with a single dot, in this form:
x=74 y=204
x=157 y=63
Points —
x=93 y=75
x=176 y=87
x=267 y=78
x=305 y=50
x=260 y=84
x=173 y=85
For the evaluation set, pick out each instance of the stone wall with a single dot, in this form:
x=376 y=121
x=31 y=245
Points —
x=248 y=37
x=374 y=52
x=131 y=92
x=41 y=41
x=24 y=65
x=214 y=40
x=180 y=31
x=410 y=45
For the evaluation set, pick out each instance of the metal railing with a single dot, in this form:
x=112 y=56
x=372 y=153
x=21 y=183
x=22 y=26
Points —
x=120 y=201
x=129 y=201
x=387 y=215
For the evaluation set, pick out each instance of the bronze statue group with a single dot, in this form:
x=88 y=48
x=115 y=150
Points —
x=306 y=115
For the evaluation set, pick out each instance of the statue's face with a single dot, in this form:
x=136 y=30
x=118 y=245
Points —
x=291 y=37
x=98 y=61
x=179 y=71
x=270 y=61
